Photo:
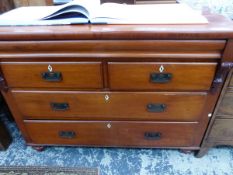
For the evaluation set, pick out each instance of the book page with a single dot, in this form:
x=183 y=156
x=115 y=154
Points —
x=44 y=22
x=76 y=9
x=29 y=13
x=113 y=13
x=75 y=6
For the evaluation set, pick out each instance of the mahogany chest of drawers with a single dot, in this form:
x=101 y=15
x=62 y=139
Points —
x=115 y=85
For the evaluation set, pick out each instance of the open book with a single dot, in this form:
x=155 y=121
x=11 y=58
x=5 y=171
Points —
x=92 y=11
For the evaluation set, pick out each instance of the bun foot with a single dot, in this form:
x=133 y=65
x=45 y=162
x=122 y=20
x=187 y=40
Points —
x=200 y=153
x=186 y=151
x=38 y=148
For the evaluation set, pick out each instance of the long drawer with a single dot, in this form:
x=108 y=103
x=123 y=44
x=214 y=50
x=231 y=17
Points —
x=166 y=106
x=105 y=133
x=161 y=76
x=53 y=74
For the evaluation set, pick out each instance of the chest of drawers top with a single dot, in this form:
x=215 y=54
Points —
x=117 y=42
x=218 y=27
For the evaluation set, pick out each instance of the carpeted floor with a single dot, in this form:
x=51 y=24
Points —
x=31 y=170
x=113 y=161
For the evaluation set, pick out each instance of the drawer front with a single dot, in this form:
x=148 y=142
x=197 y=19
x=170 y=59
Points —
x=161 y=76
x=222 y=130
x=226 y=106
x=114 y=106
x=116 y=133
x=57 y=75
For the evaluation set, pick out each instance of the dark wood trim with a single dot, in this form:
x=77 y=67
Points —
x=6 y=5
x=16 y=114
x=225 y=81
x=5 y=138
x=3 y=83
x=228 y=53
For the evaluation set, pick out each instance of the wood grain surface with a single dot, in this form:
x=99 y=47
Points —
x=118 y=106
x=104 y=133
x=218 y=27
x=185 y=76
x=74 y=75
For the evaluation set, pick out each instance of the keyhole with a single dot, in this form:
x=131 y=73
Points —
x=106 y=97
x=50 y=68
x=161 y=69
x=109 y=125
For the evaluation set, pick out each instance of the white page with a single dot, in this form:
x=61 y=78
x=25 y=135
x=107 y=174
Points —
x=29 y=13
x=44 y=22
x=41 y=12
x=148 y=14
x=83 y=6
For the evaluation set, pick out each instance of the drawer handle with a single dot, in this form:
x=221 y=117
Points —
x=52 y=76
x=156 y=107
x=59 y=106
x=152 y=135
x=67 y=134
x=160 y=77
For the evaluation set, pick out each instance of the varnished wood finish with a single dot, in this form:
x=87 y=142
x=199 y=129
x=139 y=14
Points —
x=118 y=133
x=177 y=46
x=120 y=105
x=228 y=54
x=197 y=52
x=112 y=49
x=74 y=75
x=218 y=27
x=185 y=76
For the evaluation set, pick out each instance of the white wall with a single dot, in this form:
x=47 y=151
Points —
x=224 y=7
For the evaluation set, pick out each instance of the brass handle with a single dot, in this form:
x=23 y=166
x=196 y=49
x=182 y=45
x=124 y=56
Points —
x=160 y=77
x=156 y=107
x=152 y=135
x=52 y=76
x=67 y=134
x=59 y=106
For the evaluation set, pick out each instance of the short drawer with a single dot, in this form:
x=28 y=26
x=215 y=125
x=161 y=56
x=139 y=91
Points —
x=226 y=106
x=161 y=76
x=114 y=133
x=53 y=74
x=221 y=130
x=110 y=106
